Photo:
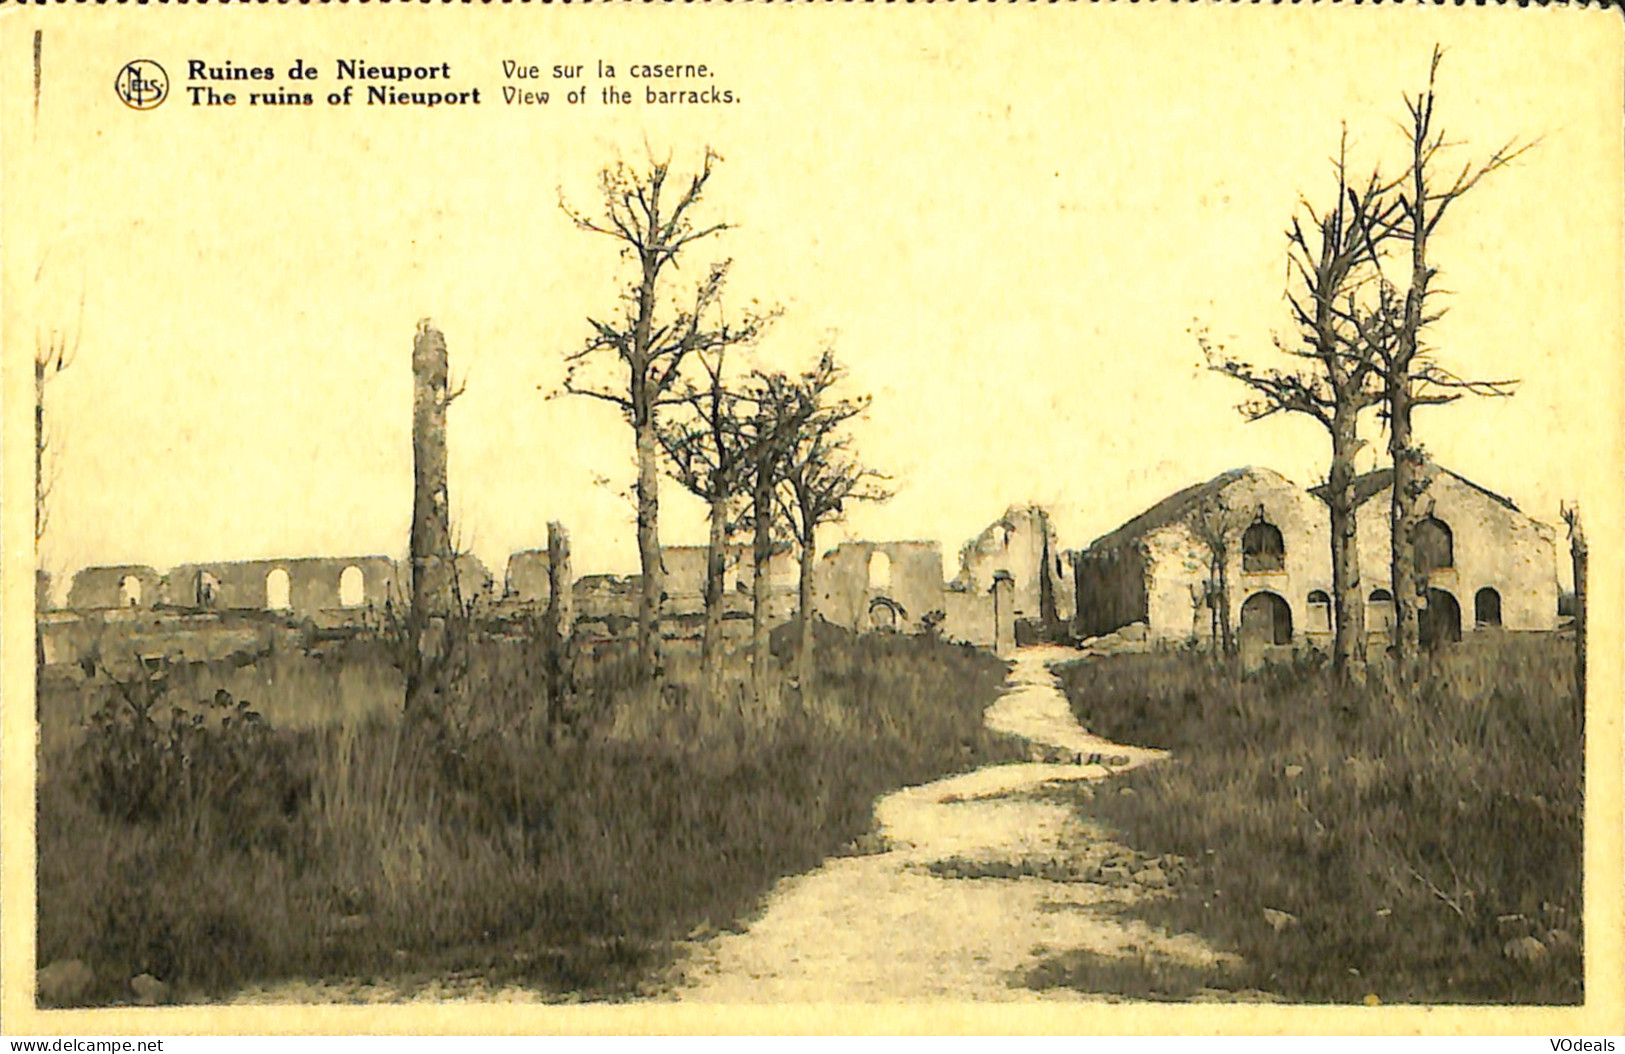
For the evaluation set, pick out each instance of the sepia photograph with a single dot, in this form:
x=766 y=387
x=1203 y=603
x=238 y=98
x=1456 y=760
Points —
x=1084 y=518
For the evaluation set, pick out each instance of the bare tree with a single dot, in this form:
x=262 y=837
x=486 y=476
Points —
x=708 y=453
x=1329 y=261
x=651 y=215
x=1412 y=377
x=779 y=410
x=1215 y=523
x=1579 y=555
x=53 y=353
x=821 y=476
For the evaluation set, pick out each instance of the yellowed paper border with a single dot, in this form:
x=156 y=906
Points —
x=805 y=45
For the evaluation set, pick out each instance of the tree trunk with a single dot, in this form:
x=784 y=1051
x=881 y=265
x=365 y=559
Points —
x=804 y=611
x=648 y=544
x=1214 y=640
x=715 y=566
x=560 y=657
x=39 y=479
x=1579 y=554
x=39 y=452
x=643 y=424
x=1406 y=459
x=1348 y=605
x=1402 y=531
x=762 y=555
x=431 y=555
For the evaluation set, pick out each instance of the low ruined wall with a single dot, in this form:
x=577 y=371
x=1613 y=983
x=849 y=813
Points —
x=101 y=587
x=290 y=687
x=968 y=617
x=122 y=639
x=845 y=594
x=313 y=583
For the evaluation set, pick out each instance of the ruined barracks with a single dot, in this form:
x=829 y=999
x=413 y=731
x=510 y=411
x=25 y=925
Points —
x=1487 y=566
x=1011 y=576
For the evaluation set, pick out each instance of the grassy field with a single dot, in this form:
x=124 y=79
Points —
x=212 y=849
x=1407 y=848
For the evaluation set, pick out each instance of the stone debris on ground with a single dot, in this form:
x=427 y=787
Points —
x=1280 y=921
x=1524 y=950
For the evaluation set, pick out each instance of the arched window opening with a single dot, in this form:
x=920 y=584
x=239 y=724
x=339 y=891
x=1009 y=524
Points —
x=277 y=590
x=352 y=587
x=879 y=570
x=1435 y=546
x=1439 y=621
x=1487 y=608
x=1266 y=619
x=1320 y=612
x=1380 y=610
x=1262 y=548
x=129 y=592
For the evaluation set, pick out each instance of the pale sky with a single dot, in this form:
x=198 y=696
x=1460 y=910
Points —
x=1010 y=224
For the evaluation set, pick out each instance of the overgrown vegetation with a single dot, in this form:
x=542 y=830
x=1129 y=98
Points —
x=205 y=848
x=1410 y=847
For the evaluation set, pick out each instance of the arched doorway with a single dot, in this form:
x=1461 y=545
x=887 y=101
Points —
x=129 y=592
x=1439 y=622
x=1487 y=608
x=208 y=588
x=277 y=590
x=1266 y=619
x=352 y=587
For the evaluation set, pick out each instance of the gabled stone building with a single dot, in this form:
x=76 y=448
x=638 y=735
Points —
x=1157 y=568
x=1489 y=566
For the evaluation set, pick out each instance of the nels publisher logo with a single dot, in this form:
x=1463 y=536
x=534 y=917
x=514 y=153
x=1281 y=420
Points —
x=142 y=84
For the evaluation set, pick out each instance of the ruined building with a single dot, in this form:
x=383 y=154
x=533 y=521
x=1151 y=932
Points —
x=1488 y=566
x=880 y=585
x=1008 y=574
x=1022 y=545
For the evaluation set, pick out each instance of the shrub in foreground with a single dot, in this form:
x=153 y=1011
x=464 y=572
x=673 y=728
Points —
x=566 y=860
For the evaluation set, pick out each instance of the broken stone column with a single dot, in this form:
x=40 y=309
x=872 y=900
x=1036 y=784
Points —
x=432 y=569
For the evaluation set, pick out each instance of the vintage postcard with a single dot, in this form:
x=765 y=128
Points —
x=1085 y=518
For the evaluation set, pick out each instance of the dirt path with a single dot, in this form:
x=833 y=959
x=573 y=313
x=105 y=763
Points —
x=981 y=879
